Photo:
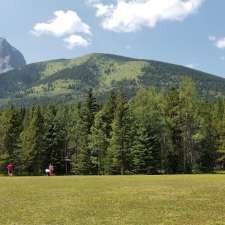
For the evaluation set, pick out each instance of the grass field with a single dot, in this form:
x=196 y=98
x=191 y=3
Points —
x=133 y=200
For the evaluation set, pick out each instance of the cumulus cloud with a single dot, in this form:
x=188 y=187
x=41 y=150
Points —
x=103 y=10
x=132 y=15
x=75 y=41
x=65 y=24
x=218 y=42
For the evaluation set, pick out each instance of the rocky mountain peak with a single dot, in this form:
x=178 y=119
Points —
x=10 y=57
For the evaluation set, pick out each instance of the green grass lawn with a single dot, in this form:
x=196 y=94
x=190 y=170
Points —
x=118 y=200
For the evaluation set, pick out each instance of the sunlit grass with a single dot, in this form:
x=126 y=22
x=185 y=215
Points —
x=133 y=200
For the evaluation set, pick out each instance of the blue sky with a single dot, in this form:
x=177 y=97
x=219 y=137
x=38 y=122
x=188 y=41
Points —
x=189 y=32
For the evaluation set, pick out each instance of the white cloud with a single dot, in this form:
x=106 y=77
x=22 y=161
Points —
x=63 y=23
x=192 y=66
x=220 y=43
x=102 y=10
x=132 y=15
x=75 y=41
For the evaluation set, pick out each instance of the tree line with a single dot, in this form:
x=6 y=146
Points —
x=155 y=132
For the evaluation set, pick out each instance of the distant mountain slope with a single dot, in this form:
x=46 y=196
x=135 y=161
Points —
x=10 y=57
x=68 y=80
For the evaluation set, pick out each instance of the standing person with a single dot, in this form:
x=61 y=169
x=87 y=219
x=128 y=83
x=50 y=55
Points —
x=47 y=171
x=51 y=169
x=10 y=168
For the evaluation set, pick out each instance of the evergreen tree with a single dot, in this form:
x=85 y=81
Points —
x=33 y=143
x=119 y=149
x=172 y=112
x=98 y=144
x=148 y=146
x=101 y=134
x=55 y=140
x=13 y=129
x=83 y=164
x=108 y=113
x=182 y=117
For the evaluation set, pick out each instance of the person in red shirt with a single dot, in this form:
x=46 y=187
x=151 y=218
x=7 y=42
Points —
x=51 y=169
x=9 y=168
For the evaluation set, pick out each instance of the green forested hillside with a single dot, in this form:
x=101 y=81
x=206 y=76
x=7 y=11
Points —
x=153 y=132
x=68 y=80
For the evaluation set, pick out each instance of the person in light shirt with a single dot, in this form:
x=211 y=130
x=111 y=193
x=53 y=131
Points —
x=49 y=171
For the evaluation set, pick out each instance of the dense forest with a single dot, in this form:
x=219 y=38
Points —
x=155 y=132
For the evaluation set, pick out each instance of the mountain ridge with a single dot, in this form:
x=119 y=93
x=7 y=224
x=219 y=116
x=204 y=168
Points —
x=68 y=79
x=125 y=57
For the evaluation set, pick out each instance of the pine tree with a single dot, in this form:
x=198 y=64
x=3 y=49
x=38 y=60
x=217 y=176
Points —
x=83 y=164
x=33 y=143
x=89 y=110
x=172 y=112
x=12 y=133
x=108 y=113
x=101 y=134
x=140 y=151
x=55 y=140
x=98 y=144
x=119 y=148
x=182 y=117
x=148 y=144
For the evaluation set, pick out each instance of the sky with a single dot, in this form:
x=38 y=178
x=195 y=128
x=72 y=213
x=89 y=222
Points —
x=185 y=32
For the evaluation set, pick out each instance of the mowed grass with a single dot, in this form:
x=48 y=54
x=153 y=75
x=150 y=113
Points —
x=113 y=200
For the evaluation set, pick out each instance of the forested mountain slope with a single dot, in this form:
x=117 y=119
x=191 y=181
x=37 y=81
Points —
x=69 y=79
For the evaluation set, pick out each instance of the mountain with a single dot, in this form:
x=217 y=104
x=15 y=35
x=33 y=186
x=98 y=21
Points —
x=67 y=80
x=10 y=57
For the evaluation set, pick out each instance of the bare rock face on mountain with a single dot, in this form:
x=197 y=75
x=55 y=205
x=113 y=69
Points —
x=10 y=57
